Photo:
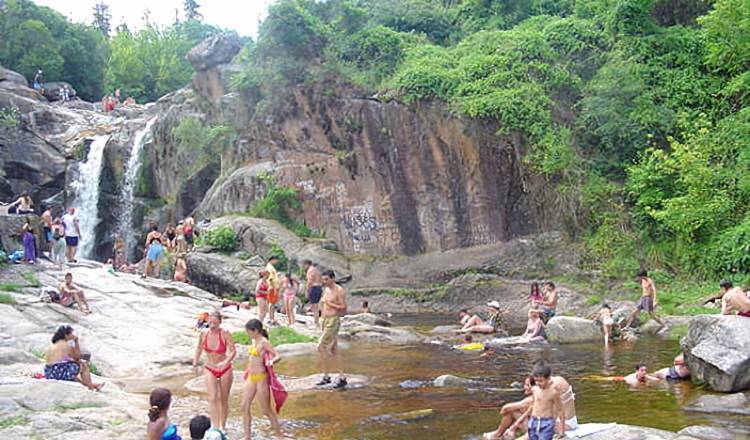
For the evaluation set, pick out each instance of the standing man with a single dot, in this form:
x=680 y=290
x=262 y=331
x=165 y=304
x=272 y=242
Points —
x=545 y=409
x=549 y=303
x=314 y=288
x=273 y=287
x=72 y=234
x=333 y=308
x=734 y=299
x=47 y=225
x=647 y=302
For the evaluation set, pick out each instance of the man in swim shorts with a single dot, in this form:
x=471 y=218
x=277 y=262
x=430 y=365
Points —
x=549 y=303
x=734 y=299
x=314 y=288
x=333 y=307
x=648 y=300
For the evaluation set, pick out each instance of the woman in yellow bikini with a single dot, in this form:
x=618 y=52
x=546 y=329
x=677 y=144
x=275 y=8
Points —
x=257 y=383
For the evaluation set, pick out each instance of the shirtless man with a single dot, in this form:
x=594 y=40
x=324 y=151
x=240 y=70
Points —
x=647 y=302
x=333 y=308
x=549 y=303
x=546 y=408
x=47 y=225
x=512 y=412
x=640 y=377
x=68 y=289
x=678 y=370
x=734 y=299
x=314 y=288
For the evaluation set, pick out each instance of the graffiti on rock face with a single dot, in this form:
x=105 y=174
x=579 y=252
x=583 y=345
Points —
x=361 y=224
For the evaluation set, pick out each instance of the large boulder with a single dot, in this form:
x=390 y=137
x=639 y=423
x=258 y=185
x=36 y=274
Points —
x=570 y=330
x=13 y=88
x=214 y=51
x=737 y=403
x=10 y=231
x=52 y=90
x=7 y=75
x=220 y=274
x=717 y=351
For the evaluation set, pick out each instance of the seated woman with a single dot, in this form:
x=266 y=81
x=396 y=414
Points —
x=475 y=324
x=534 y=327
x=24 y=205
x=180 y=269
x=64 y=359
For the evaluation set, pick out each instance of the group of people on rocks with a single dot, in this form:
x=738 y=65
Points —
x=110 y=102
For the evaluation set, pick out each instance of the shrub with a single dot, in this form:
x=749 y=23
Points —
x=222 y=238
x=6 y=299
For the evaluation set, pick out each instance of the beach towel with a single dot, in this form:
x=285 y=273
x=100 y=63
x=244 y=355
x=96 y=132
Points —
x=278 y=392
x=586 y=429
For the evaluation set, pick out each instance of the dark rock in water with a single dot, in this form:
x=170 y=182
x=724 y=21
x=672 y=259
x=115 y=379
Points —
x=411 y=384
x=717 y=351
x=449 y=380
x=738 y=403
x=214 y=51
x=52 y=90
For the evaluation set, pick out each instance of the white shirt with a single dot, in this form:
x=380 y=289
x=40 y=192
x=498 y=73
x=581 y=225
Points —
x=69 y=221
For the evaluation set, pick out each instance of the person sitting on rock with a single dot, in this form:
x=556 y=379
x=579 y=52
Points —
x=474 y=324
x=734 y=299
x=70 y=290
x=678 y=370
x=180 y=269
x=549 y=303
x=63 y=359
x=24 y=205
x=534 y=327
x=512 y=412
x=366 y=307
x=159 y=427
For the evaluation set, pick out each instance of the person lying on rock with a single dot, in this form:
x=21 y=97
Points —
x=64 y=361
x=69 y=290
x=678 y=370
x=474 y=324
x=534 y=327
x=512 y=412
x=734 y=299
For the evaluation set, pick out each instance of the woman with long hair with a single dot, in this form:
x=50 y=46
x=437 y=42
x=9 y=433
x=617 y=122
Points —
x=220 y=351
x=289 y=288
x=159 y=427
x=260 y=380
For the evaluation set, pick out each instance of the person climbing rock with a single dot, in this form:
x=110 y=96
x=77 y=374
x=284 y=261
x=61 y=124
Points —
x=333 y=308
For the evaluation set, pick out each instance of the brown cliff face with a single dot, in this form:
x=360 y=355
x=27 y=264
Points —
x=384 y=178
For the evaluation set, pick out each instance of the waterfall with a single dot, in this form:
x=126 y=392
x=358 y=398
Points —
x=125 y=226
x=86 y=187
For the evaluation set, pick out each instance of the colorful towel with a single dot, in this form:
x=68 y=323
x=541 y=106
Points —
x=278 y=391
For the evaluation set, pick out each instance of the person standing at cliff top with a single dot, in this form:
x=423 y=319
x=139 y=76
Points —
x=314 y=288
x=333 y=308
x=734 y=299
x=72 y=234
x=648 y=300
x=38 y=81
x=274 y=284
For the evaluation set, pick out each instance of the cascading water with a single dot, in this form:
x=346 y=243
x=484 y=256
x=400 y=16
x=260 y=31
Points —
x=86 y=201
x=125 y=226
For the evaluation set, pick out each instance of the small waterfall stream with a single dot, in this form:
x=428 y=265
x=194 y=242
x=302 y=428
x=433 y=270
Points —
x=86 y=187
x=125 y=226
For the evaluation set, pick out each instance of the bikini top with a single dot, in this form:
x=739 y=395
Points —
x=253 y=351
x=222 y=348
x=171 y=433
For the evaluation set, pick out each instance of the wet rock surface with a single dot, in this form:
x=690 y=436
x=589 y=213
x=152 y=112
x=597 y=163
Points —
x=570 y=330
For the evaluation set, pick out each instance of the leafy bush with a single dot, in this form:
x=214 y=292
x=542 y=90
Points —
x=222 y=238
x=280 y=204
x=283 y=264
x=6 y=299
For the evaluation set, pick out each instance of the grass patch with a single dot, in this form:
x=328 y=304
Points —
x=13 y=421
x=593 y=300
x=39 y=354
x=277 y=335
x=11 y=287
x=31 y=279
x=6 y=299
x=77 y=405
x=678 y=331
x=94 y=370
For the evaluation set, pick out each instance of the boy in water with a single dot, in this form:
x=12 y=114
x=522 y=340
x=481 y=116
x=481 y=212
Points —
x=605 y=316
x=545 y=409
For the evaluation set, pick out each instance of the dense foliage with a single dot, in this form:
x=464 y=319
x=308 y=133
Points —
x=636 y=109
x=145 y=65
x=222 y=238
x=280 y=203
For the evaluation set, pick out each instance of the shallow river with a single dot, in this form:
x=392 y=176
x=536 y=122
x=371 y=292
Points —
x=462 y=413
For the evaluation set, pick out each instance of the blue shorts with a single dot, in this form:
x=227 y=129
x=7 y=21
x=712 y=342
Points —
x=71 y=241
x=47 y=234
x=316 y=292
x=541 y=428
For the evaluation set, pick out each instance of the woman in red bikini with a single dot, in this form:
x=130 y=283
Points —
x=261 y=294
x=220 y=351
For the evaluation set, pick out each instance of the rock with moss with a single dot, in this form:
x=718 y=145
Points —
x=570 y=330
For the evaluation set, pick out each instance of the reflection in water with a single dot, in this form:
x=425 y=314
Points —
x=458 y=412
